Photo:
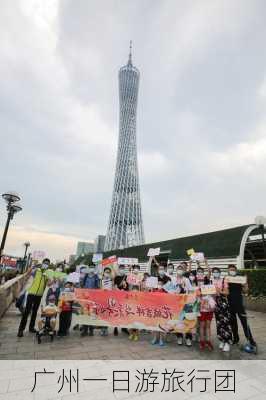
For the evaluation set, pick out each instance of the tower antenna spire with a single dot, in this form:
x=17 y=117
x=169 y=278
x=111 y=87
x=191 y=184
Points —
x=130 y=53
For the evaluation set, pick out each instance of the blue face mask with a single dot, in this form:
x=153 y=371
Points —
x=67 y=290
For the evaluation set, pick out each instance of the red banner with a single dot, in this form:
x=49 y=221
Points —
x=139 y=310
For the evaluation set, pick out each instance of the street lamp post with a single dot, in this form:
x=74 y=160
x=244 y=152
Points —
x=13 y=207
x=27 y=245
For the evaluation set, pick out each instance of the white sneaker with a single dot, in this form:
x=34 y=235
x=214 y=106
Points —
x=226 y=347
x=180 y=341
x=221 y=345
x=188 y=342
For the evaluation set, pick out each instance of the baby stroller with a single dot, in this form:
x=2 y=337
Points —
x=47 y=322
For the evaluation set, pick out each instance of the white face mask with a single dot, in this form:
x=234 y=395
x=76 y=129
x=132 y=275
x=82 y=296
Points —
x=216 y=275
x=135 y=271
x=161 y=272
x=67 y=289
x=180 y=272
x=91 y=271
x=170 y=271
x=45 y=266
x=122 y=272
x=232 y=273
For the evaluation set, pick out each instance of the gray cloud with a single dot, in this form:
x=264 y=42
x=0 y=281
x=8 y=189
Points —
x=201 y=114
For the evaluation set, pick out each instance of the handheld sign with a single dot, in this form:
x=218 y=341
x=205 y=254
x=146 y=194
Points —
x=127 y=261
x=109 y=261
x=154 y=252
x=97 y=258
x=74 y=277
x=67 y=296
x=134 y=280
x=242 y=280
x=197 y=257
x=208 y=289
x=151 y=282
x=190 y=252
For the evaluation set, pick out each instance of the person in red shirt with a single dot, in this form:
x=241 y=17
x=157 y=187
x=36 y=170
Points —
x=65 y=309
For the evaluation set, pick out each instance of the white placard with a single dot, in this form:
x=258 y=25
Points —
x=242 y=280
x=151 y=282
x=74 y=277
x=197 y=257
x=97 y=257
x=127 y=261
x=154 y=252
x=208 y=289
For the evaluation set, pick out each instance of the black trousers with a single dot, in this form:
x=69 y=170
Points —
x=244 y=322
x=64 y=322
x=188 y=335
x=32 y=305
x=86 y=328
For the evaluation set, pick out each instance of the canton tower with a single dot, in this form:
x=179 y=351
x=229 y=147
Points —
x=125 y=227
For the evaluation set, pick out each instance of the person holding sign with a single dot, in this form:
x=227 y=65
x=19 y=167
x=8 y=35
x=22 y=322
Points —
x=237 y=308
x=207 y=307
x=106 y=284
x=89 y=281
x=65 y=308
x=159 y=337
x=222 y=311
x=120 y=283
x=134 y=280
x=183 y=286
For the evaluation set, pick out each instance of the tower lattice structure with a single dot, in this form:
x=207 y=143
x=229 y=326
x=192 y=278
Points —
x=125 y=227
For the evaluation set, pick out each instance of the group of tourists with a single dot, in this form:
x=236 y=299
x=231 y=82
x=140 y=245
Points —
x=225 y=306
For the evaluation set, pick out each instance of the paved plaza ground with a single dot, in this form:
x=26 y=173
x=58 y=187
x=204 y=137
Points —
x=119 y=347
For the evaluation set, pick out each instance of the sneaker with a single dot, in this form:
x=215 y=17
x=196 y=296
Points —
x=154 y=341
x=180 y=340
x=201 y=345
x=161 y=343
x=221 y=345
x=209 y=346
x=226 y=347
x=20 y=334
x=102 y=333
x=188 y=342
x=136 y=338
x=131 y=336
x=115 y=332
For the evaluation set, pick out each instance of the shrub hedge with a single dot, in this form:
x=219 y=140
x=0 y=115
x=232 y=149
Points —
x=256 y=281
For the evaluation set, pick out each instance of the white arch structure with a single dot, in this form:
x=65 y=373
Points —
x=243 y=243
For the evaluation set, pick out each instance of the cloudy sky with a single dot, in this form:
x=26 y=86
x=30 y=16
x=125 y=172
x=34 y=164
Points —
x=201 y=115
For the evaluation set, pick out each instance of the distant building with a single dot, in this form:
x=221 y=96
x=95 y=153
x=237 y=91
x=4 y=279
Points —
x=84 y=248
x=99 y=244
